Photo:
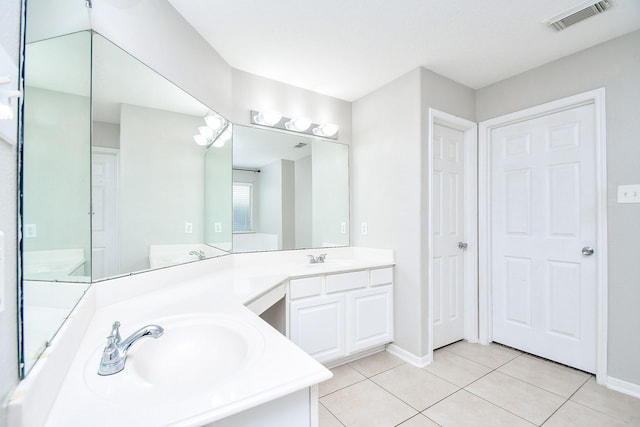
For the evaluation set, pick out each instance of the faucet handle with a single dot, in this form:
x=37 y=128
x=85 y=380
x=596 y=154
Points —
x=114 y=336
x=321 y=257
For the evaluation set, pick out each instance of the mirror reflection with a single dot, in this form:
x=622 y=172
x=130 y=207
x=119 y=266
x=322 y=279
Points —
x=56 y=203
x=148 y=173
x=114 y=181
x=289 y=191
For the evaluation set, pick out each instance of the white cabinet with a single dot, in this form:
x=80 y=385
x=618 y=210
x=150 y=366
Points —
x=334 y=316
x=317 y=326
x=371 y=318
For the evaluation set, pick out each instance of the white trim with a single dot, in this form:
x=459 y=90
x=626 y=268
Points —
x=470 y=224
x=597 y=98
x=623 y=387
x=410 y=358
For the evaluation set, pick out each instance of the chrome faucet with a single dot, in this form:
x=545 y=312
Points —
x=114 y=354
x=199 y=254
x=317 y=259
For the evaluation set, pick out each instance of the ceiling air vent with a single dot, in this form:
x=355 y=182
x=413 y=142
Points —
x=577 y=14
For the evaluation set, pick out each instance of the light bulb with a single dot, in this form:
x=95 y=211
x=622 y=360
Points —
x=206 y=132
x=215 y=121
x=327 y=129
x=201 y=140
x=299 y=124
x=219 y=143
x=226 y=135
x=267 y=118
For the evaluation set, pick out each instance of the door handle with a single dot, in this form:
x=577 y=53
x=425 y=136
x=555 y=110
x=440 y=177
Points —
x=462 y=245
x=587 y=251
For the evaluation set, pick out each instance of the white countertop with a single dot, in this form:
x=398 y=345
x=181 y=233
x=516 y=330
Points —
x=219 y=288
x=281 y=369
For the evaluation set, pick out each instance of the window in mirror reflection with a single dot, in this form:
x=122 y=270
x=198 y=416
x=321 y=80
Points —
x=242 y=207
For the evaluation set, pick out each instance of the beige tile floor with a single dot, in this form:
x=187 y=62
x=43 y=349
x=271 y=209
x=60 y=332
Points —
x=470 y=385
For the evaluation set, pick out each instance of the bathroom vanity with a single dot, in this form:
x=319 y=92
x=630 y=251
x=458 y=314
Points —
x=218 y=363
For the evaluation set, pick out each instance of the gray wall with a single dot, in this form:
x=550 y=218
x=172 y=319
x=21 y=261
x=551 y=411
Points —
x=9 y=43
x=57 y=169
x=303 y=213
x=162 y=187
x=614 y=65
x=388 y=185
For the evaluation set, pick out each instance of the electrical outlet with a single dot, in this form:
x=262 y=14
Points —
x=217 y=227
x=30 y=230
x=364 y=229
x=629 y=193
x=343 y=227
x=188 y=228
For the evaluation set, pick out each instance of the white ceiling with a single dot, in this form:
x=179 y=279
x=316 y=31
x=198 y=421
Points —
x=348 y=48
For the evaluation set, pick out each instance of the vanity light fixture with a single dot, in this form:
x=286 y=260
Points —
x=326 y=130
x=296 y=124
x=266 y=118
x=299 y=124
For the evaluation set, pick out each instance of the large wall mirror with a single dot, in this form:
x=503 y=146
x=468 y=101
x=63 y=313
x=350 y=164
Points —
x=114 y=182
x=290 y=191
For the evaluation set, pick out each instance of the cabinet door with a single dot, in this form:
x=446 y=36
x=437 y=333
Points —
x=317 y=326
x=370 y=318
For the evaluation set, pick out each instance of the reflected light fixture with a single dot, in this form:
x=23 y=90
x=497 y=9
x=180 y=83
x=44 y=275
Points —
x=296 y=124
x=223 y=138
x=215 y=121
x=217 y=126
x=6 y=110
x=201 y=140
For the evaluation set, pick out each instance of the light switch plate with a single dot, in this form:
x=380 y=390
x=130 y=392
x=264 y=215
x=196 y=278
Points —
x=1 y=271
x=629 y=193
x=30 y=230
x=343 y=227
x=364 y=228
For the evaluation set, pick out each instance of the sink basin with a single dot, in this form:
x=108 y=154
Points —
x=195 y=353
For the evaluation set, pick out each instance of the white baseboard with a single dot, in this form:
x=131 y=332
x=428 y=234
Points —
x=403 y=354
x=623 y=387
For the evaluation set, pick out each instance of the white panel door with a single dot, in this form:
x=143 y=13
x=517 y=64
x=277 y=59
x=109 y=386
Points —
x=104 y=224
x=448 y=231
x=543 y=213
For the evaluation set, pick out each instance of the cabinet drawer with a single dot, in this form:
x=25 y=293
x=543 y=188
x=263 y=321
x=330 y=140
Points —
x=382 y=276
x=307 y=287
x=345 y=281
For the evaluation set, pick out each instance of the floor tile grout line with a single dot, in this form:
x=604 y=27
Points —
x=504 y=409
x=411 y=406
x=590 y=407
x=342 y=388
x=334 y=415
x=539 y=387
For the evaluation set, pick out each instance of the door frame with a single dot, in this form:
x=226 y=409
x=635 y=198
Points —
x=470 y=130
x=597 y=98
